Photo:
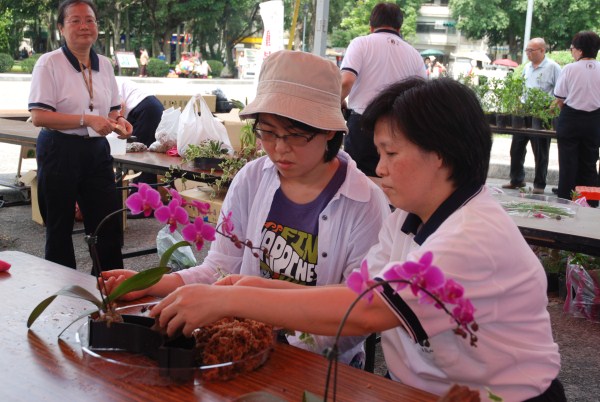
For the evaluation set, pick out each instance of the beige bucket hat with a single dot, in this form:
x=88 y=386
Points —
x=300 y=86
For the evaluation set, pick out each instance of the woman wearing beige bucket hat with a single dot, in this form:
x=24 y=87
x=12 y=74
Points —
x=306 y=201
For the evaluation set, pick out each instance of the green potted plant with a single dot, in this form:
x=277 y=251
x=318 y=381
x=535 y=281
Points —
x=513 y=91
x=542 y=108
x=207 y=155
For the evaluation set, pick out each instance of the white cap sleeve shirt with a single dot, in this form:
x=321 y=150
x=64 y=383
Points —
x=378 y=60
x=57 y=85
x=579 y=85
x=132 y=95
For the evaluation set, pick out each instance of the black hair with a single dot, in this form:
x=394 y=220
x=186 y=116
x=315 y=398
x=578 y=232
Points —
x=333 y=145
x=62 y=9
x=588 y=42
x=386 y=15
x=453 y=126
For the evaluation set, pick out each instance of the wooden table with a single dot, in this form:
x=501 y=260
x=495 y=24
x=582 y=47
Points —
x=523 y=131
x=37 y=366
x=580 y=234
x=18 y=132
x=159 y=163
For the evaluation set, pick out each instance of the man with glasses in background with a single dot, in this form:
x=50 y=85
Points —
x=541 y=72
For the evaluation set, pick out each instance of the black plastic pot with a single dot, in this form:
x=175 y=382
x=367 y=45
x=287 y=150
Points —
x=502 y=120
x=537 y=124
x=517 y=121
x=207 y=163
x=135 y=335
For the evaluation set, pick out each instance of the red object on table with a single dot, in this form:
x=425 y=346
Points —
x=590 y=193
x=4 y=266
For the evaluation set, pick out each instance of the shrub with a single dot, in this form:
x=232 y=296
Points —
x=6 y=63
x=216 y=67
x=28 y=63
x=157 y=68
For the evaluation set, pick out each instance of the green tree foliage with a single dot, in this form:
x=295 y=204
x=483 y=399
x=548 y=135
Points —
x=28 y=64
x=356 y=20
x=215 y=67
x=6 y=62
x=157 y=68
x=503 y=21
x=5 y=23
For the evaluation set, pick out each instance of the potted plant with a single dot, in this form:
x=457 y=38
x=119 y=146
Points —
x=542 y=107
x=513 y=90
x=207 y=155
x=500 y=94
x=107 y=328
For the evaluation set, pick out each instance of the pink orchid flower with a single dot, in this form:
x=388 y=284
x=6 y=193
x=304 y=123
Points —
x=464 y=311
x=198 y=232
x=359 y=281
x=172 y=214
x=451 y=292
x=145 y=200
x=421 y=275
x=227 y=224
x=202 y=207
x=176 y=196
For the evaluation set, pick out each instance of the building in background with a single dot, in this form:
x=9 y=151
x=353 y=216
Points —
x=436 y=30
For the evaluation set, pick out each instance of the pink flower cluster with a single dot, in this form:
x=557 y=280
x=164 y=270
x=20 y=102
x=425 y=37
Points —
x=148 y=200
x=428 y=283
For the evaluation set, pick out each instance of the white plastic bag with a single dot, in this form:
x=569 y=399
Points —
x=166 y=132
x=194 y=129
x=181 y=258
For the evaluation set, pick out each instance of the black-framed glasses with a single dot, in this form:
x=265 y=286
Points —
x=295 y=140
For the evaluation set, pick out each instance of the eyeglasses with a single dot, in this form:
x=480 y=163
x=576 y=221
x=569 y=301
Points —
x=80 y=22
x=295 y=140
x=528 y=50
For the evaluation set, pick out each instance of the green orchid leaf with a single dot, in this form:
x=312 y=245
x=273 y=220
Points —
x=139 y=281
x=310 y=397
x=71 y=291
x=167 y=254
x=86 y=314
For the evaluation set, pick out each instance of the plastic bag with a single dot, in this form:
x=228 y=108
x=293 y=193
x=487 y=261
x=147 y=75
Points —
x=583 y=292
x=183 y=257
x=194 y=129
x=166 y=132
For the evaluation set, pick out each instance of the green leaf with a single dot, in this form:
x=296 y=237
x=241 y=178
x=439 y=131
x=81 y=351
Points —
x=71 y=291
x=167 y=254
x=310 y=397
x=86 y=314
x=139 y=281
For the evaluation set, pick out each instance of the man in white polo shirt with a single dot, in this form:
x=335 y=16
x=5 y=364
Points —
x=541 y=72
x=370 y=64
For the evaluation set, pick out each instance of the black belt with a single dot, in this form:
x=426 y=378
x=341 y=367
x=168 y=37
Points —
x=71 y=136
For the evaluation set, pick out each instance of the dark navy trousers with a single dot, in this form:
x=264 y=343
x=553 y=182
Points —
x=77 y=169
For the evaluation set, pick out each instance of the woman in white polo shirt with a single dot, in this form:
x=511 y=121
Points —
x=74 y=97
x=433 y=168
x=578 y=132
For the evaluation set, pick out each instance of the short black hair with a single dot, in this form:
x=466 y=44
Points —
x=62 y=9
x=386 y=15
x=588 y=42
x=333 y=145
x=441 y=116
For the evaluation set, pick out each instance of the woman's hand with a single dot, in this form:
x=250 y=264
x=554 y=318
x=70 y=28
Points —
x=101 y=125
x=109 y=280
x=230 y=280
x=187 y=308
x=123 y=128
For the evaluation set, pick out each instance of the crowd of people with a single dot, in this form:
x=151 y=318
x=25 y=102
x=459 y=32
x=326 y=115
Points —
x=408 y=185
